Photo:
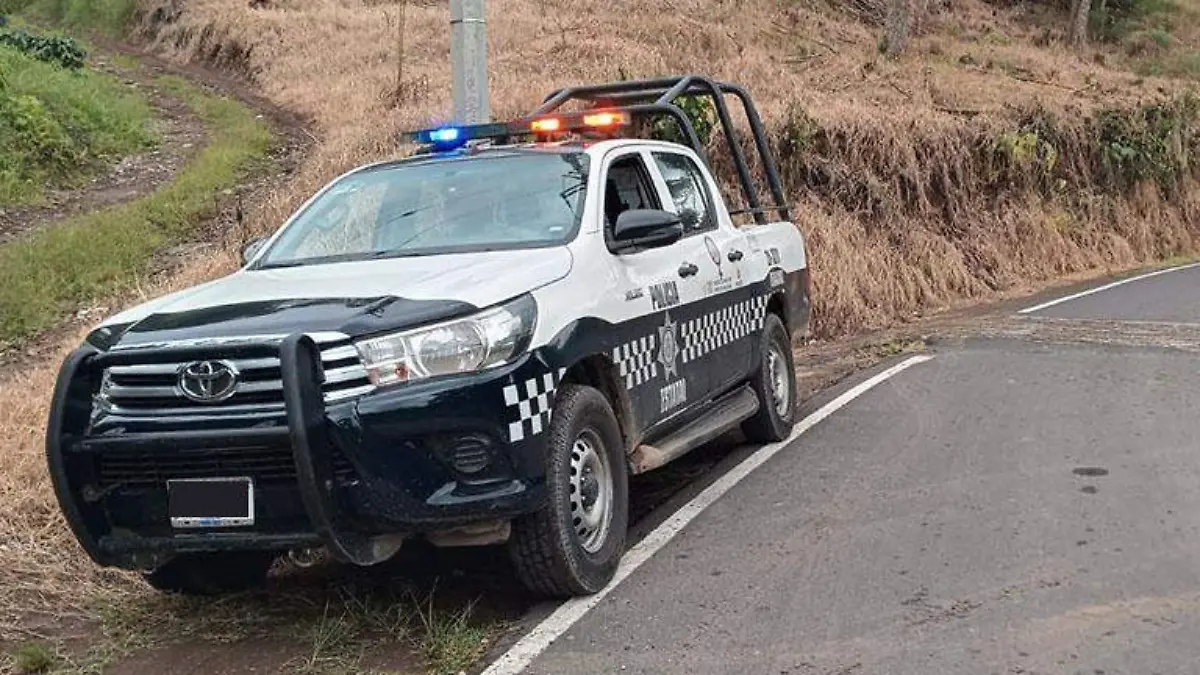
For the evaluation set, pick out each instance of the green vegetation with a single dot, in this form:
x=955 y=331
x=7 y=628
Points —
x=1120 y=148
x=58 y=50
x=451 y=643
x=700 y=113
x=60 y=126
x=1152 y=143
x=1185 y=66
x=1116 y=20
x=35 y=657
x=96 y=254
x=110 y=17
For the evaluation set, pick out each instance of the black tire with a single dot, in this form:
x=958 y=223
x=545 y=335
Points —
x=212 y=573
x=770 y=424
x=549 y=554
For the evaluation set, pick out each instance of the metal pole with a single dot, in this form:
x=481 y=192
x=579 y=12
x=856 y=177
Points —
x=468 y=60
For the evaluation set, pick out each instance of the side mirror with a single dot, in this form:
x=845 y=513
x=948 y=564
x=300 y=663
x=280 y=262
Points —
x=252 y=249
x=646 y=228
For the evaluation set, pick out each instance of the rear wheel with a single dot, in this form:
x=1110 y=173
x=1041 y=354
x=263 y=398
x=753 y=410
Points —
x=573 y=544
x=212 y=573
x=775 y=384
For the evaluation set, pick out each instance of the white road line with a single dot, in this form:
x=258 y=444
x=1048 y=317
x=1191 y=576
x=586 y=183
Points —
x=529 y=647
x=1105 y=287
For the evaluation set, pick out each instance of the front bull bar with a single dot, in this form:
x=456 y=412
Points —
x=308 y=434
x=312 y=448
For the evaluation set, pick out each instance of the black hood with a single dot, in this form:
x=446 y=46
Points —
x=352 y=316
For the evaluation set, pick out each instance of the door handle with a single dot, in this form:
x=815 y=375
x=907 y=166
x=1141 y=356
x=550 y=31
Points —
x=687 y=269
x=735 y=255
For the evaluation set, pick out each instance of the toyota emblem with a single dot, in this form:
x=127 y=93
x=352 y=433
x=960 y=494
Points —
x=208 y=381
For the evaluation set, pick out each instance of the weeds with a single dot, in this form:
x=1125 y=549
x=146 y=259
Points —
x=450 y=643
x=60 y=127
x=1152 y=143
x=46 y=276
x=35 y=657
x=334 y=646
x=111 y=17
x=55 y=49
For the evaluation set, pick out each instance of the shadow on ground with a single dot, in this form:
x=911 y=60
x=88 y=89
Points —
x=426 y=610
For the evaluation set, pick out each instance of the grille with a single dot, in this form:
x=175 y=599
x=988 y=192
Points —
x=267 y=465
x=148 y=389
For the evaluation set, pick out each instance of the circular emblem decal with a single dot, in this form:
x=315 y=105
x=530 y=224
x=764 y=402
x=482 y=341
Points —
x=669 y=351
x=208 y=381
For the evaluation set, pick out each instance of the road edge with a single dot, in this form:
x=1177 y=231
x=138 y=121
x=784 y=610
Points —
x=522 y=653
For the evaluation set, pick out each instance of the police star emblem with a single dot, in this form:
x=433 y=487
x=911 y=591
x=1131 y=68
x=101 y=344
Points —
x=669 y=351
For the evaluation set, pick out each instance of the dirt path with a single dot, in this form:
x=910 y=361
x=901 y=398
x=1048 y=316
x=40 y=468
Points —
x=180 y=134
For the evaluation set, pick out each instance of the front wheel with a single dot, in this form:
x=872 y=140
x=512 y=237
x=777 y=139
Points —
x=775 y=384
x=573 y=544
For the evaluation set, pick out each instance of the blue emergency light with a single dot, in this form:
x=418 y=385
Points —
x=446 y=138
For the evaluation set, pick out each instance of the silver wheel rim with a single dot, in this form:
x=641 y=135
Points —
x=781 y=392
x=591 y=491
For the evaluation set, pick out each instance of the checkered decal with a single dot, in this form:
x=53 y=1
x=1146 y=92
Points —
x=529 y=402
x=636 y=360
x=721 y=327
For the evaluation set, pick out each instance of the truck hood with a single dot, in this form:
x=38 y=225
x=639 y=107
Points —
x=355 y=298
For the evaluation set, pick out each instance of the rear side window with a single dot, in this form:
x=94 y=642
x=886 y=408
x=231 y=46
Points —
x=688 y=191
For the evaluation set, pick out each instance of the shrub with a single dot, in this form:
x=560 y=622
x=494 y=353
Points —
x=59 y=126
x=61 y=51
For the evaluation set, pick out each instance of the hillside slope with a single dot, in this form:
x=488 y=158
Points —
x=985 y=159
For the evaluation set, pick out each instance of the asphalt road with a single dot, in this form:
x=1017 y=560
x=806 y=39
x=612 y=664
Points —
x=1006 y=507
x=1172 y=297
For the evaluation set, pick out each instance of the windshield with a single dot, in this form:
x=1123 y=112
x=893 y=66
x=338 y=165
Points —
x=518 y=200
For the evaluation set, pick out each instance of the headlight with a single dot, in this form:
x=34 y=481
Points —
x=488 y=339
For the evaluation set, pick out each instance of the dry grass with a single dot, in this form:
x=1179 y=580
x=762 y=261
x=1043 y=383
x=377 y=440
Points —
x=336 y=62
x=911 y=221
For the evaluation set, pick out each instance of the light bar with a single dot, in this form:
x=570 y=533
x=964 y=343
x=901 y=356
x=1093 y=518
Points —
x=453 y=137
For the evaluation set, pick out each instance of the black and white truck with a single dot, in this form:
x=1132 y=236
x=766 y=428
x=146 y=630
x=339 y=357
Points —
x=477 y=344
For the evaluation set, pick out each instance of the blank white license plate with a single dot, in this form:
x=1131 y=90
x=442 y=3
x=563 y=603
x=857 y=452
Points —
x=210 y=502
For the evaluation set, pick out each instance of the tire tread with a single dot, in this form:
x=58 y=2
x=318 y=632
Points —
x=539 y=546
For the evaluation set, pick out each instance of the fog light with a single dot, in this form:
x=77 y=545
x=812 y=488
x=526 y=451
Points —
x=470 y=454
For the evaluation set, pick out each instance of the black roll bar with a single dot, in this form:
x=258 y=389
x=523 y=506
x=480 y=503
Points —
x=659 y=96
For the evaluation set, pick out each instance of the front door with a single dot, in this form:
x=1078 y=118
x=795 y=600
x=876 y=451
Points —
x=668 y=283
x=716 y=339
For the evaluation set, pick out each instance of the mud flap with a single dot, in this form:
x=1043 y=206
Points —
x=300 y=363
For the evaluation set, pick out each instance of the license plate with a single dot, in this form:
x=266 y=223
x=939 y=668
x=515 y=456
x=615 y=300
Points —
x=210 y=502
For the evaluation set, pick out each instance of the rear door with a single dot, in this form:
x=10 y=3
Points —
x=715 y=340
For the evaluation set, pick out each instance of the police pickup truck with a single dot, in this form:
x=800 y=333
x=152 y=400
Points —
x=477 y=344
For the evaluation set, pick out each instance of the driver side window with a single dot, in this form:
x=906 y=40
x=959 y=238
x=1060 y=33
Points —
x=627 y=186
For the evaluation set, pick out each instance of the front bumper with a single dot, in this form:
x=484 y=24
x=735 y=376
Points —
x=354 y=476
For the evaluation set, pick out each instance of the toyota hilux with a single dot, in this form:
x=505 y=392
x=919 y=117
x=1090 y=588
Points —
x=477 y=344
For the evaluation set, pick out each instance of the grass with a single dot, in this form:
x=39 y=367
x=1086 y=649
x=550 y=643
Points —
x=451 y=643
x=325 y=629
x=98 y=254
x=110 y=17
x=35 y=657
x=61 y=126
